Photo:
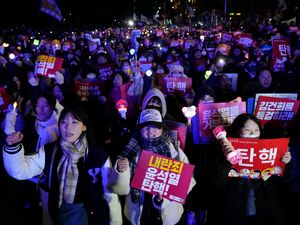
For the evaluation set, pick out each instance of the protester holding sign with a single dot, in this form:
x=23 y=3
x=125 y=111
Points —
x=242 y=199
x=141 y=207
x=75 y=172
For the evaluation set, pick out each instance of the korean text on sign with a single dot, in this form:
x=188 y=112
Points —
x=157 y=174
x=169 y=174
x=276 y=109
x=215 y=114
x=259 y=156
x=47 y=65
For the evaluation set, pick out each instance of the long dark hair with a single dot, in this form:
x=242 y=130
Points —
x=234 y=129
x=79 y=114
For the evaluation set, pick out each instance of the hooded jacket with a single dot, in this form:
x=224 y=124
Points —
x=170 y=211
x=155 y=92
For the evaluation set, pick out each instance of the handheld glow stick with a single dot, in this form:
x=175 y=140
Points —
x=234 y=156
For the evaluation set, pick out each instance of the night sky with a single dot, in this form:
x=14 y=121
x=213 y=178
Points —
x=100 y=12
x=104 y=12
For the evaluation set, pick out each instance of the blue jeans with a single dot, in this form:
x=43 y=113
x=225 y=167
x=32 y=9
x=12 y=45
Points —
x=70 y=214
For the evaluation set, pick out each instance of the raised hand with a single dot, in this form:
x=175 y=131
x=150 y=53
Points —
x=14 y=138
x=286 y=158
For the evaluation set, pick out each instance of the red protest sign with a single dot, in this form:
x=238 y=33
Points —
x=260 y=157
x=278 y=111
x=245 y=40
x=145 y=65
x=281 y=53
x=158 y=77
x=177 y=132
x=86 y=88
x=211 y=115
x=174 y=85
x=106 y=72
x=223 y=49
x=47 y=65
x=281 y=47
x=4 y=99
x=158 y=174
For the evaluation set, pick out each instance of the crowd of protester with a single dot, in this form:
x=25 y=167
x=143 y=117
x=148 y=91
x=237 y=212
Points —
x=49 y=111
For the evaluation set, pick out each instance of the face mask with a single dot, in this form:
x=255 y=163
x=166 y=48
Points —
x=249 y=136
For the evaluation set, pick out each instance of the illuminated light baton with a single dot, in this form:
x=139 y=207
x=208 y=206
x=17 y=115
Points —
x=122 y=107
x=149 y=73
x=234 y=156
x=10 y=120
x=189 y=113
x=208 y=73
x=221 y=62
x=134 y=55
x=132 y=51
x=12 y=56
x=15 y=106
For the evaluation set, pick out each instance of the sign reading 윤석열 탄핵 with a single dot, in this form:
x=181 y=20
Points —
x=157 y=174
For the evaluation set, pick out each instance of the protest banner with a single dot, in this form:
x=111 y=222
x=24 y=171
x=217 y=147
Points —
x=161 y=175
x=145 y=65
x=177 y=132
x=281 y=53
x=47 y=65
x=260 y=157
x=292 y=96
x=86 y=88
x=223 y=49
x=280 y=112
x=171 y=85
x=106 y=72
x=51 y=8
x=4 y=99
x=245 y=40
x=157 y=78
x=211 y=115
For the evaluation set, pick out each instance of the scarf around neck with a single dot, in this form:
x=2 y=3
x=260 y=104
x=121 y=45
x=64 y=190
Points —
x=67 y=168
x=136 y=144
x=47 y=130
